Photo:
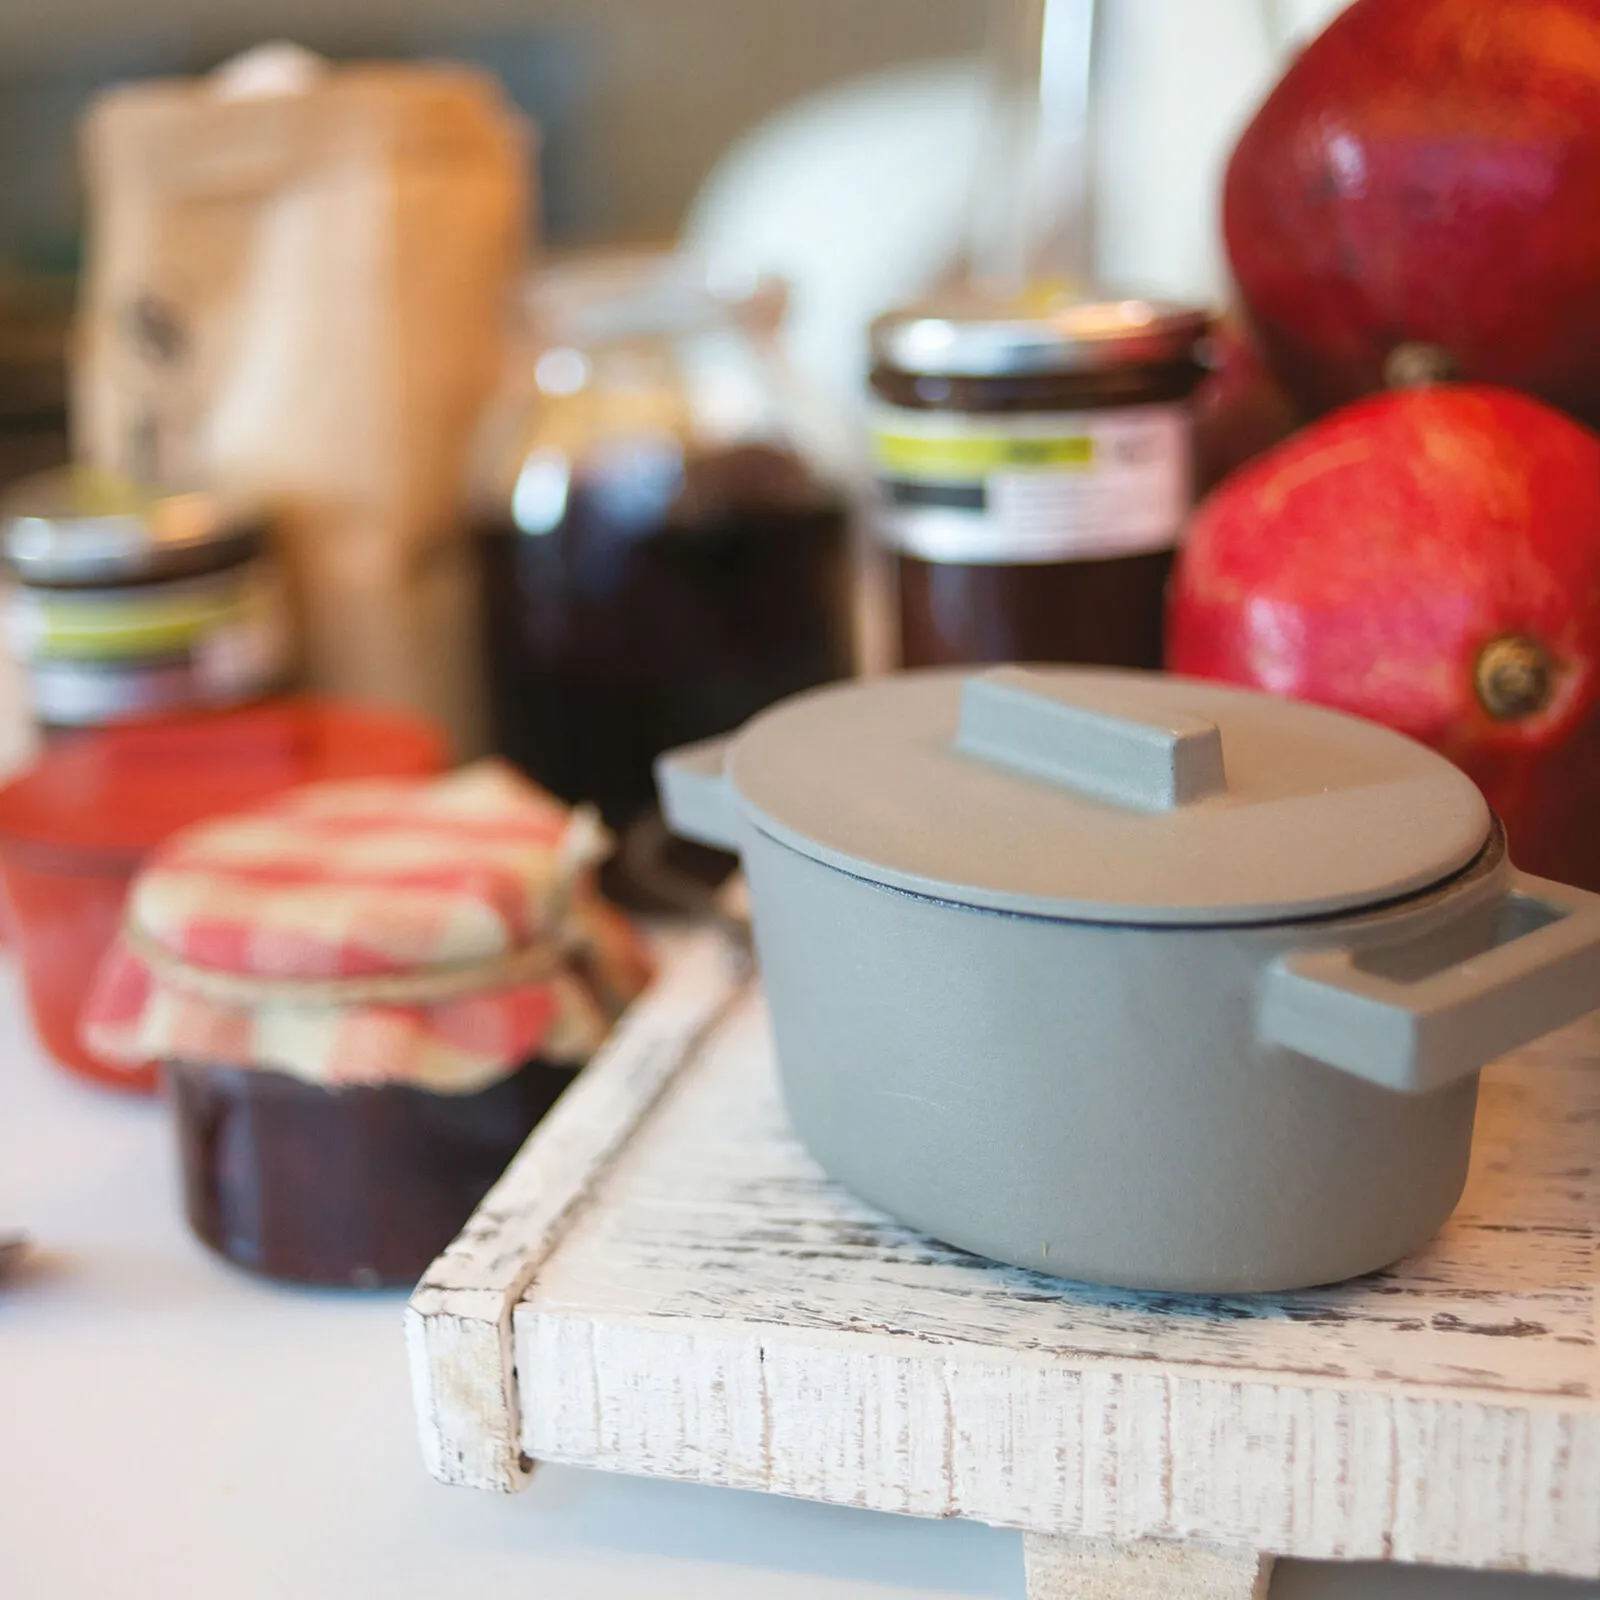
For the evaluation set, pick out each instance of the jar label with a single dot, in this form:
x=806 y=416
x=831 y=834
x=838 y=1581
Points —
x=1033 y=487
x=100 y=655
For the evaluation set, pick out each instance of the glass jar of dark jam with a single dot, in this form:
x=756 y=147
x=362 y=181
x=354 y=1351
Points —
x=356 y=1187
x=663 y=556
x=1034 y=459
x=128 y=602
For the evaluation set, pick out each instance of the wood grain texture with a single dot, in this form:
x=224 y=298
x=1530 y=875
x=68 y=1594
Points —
x=458 y=1322
x=721 y=1312
x=1108 y=1569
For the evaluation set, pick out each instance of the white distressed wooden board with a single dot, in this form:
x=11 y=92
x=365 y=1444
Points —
x=458 y=1323
x=666 y=1284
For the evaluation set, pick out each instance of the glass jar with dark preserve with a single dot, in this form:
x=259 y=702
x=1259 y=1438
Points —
x=663 y=554
x=356 y=1043
x=1034 y=458
x=361 y=1188
x=127 y=602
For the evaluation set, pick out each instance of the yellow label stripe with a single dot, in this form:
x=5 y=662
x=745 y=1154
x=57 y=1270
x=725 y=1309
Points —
x=971 y=458
x=88 y=631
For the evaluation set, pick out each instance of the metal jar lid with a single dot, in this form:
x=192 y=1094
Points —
x=74 y=526
x=1105 y=796
x=969 y=333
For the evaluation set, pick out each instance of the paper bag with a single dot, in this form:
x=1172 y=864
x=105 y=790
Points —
x=305 y=295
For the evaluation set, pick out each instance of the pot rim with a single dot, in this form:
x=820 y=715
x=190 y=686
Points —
x=1479 y=870
x=1098 y=795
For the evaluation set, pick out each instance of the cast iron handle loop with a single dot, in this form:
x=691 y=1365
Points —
x=696 y=797
x=1425 y=1034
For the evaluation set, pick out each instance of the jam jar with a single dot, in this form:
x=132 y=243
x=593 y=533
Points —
x=364 y=996
x=360 y=1189
x=663 y=554
x=1034 y=457
x=129 y=602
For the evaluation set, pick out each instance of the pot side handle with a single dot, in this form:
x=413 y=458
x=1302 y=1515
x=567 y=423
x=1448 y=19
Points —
x=1418 y=1034
x=696 y=797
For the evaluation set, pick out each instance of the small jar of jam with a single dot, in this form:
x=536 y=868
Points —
x=359 y=1189
x=129 y=603
x=1034 y=456
x=364 y=996
x=664 y=552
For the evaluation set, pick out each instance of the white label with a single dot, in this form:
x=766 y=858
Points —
x=1033 y=487
x=71 y=694
x=98 y=655
x=23 y=625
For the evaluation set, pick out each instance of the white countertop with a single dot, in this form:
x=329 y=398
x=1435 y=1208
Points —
x=170 y=1427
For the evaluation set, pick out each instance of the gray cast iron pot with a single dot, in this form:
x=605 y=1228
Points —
x=1185 y=1087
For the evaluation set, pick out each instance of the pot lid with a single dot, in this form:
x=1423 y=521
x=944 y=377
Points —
x=121 y=791
x=1106 y=796
x=74 y=525
x=970 y=332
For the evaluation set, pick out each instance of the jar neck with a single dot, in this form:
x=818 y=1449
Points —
x=1046 y=391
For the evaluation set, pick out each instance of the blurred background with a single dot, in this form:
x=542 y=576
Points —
x=635 y=101
x=636 y=104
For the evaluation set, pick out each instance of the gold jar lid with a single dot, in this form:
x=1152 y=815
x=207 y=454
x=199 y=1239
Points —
x=74 y=525
x=971 y=332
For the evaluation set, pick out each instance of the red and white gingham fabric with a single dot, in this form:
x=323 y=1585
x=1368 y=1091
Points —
x=354 y=880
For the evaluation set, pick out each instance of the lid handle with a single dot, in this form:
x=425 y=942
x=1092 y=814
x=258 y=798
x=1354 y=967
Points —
x=1092 y=741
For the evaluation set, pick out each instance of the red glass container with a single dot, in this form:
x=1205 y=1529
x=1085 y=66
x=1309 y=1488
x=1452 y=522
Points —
x=76 y=827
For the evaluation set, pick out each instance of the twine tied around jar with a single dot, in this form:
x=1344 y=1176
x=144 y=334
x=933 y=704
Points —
x=434 y=986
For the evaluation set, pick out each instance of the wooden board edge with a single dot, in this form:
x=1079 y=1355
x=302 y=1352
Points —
x=1115 y=1452
x=458 y=1319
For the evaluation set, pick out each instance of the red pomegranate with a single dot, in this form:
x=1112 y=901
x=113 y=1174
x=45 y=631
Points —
x=1430 y=559
x=1427 y=174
